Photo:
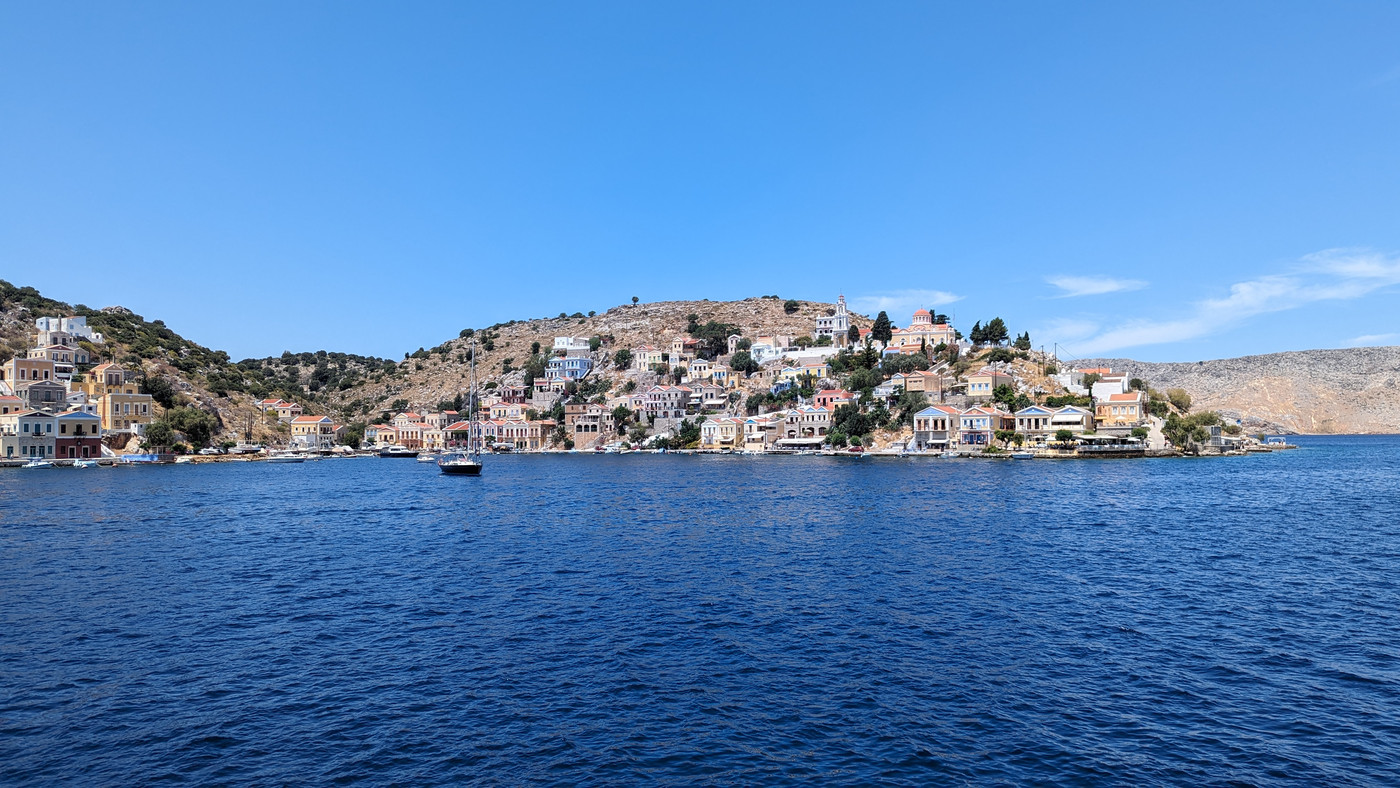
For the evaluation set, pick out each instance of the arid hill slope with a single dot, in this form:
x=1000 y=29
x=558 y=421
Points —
x=1309 y=391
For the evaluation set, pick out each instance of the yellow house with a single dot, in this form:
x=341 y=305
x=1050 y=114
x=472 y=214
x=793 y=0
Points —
x=1121 y=410
x=18 y=371
x=313 y=432
x=120 y=403
x=123 y=412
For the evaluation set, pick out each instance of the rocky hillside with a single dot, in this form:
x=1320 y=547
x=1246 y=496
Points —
x=1308 y=391
x=436 y=375
x=197 y=376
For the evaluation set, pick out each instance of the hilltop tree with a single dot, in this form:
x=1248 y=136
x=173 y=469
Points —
x=634 y=300
x=995 y=332
x=790 y=306
x=976 y=334
x=881 y=331
x=1023 y=342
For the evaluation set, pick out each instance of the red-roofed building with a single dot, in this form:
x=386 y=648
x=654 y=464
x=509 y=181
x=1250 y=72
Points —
x=1121 y=410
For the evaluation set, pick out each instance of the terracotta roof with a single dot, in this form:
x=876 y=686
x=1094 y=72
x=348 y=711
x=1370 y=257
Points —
x=1132 y=396
x=310 y=419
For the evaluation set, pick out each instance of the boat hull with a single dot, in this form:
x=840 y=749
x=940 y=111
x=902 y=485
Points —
x=461 y=468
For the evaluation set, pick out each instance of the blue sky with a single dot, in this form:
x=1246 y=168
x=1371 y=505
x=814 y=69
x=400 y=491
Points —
x=1166 y=182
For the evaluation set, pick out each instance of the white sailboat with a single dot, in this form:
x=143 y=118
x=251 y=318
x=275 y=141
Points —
x=466 y=463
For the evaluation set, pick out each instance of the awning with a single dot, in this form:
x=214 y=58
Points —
x=1066 y=419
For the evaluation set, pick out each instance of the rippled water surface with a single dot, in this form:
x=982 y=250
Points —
x=733 y=620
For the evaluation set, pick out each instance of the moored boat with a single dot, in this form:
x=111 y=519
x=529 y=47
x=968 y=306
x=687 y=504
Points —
x=398 y=451
x=38 y=463
x=466 y=462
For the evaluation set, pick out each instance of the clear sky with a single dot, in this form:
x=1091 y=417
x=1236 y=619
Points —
x=1167 y=181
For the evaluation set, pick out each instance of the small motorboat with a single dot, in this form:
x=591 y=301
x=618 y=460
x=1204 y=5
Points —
x=85 y=463
x=286 y=456
x=398 y=451
x=1022 y=455
x=38 y=463
x=427 y=458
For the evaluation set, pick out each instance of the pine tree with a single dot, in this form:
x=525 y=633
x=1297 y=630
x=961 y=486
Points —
x=880 y=331
x=996 y=332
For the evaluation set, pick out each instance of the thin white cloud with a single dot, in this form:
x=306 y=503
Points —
x=1073 y=286
x=901 y=303
x=1389 y=76
x=1369 y=340
x=1331 y=275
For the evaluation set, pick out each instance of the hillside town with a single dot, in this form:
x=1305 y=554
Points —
x=921 y=389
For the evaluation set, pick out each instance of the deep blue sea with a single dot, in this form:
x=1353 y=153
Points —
x=707 y=619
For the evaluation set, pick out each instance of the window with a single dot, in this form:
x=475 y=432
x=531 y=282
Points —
x=25 y=427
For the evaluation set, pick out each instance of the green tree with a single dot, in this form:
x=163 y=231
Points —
x=621 y=415
x=1004 y=436
x=354 y=435
x=881 y=331
x=743 y=362
x=790 y=306
x=1179 y=400
x=634 y=300
x=1004 y=395
x=688 y=436
x=594 y=343
x=160 y=390
x=995 y=332
x=622 y=359
x=1064 y=436
x=197 y=426
x=1000 y=354
x=977 y=335
x=714 y=337
x=1023 y=342
x=853 y=334
x=864 y=379
x=534 y=348
x=909 y=403
x=158 y=433
x=1090 y=379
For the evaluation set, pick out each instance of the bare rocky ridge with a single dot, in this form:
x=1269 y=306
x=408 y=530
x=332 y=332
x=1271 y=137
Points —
x=1309 y=391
